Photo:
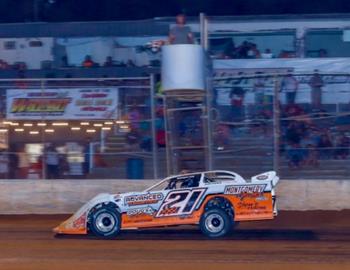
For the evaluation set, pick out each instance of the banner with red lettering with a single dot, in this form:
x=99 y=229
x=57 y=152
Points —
x=58 y=104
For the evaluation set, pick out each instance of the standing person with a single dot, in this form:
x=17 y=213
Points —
x=52 y=163
x=13 y=162
x=181 y=33
x=23 y=164
x=290 y=87
x=316 y=84
x=4 y=162
x=259 y=89
x=237 y=97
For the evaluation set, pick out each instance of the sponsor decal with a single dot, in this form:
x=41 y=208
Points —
x=148 y=198
x=246 y=191
x=36 y=105
x=80 y=222
x=239 y=189
x=250 y=206
x=141 y=211
x=262 y=177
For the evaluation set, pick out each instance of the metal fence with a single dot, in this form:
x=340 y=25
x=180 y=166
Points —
x=78 y=128
x=296 y=124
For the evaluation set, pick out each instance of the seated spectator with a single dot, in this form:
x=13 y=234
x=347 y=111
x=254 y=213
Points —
x=267 y=54
x=181 y=33
x=242 y=50
x=108 y=62
x=284 y=54
x=342 y=147
x=229 y=51
x=253 y=51
x=88 y=63
x=322 y=53
x=4 y=64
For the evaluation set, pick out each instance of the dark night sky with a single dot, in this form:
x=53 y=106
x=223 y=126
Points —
x=99 y=10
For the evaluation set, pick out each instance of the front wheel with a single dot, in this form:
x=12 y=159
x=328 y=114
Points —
x=105 y=222
x=216 y=223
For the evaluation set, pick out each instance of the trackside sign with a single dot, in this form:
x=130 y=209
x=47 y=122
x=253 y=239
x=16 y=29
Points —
x=52 y=104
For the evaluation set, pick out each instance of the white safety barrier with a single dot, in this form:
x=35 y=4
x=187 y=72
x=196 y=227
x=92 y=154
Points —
x=66 y=196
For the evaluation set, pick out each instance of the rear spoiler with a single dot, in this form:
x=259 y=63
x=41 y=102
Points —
x=266 y=176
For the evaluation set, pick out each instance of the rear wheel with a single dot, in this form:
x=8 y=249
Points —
x=216 y=222
x=105 y=222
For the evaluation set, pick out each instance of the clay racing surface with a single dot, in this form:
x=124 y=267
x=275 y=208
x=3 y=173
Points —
x=294 y=240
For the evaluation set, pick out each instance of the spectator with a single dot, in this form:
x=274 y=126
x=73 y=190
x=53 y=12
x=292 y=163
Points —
x=293 y=135
x=23 y=164
x=316 y=84
x=259 y=89
x=253 y=51
x=237 y=97
x=130 y=63
x=4 y=64
x=64 y=61
x=322 y=53
x=292 y=110
x=222 y=136
x=284 y=54
x=133 y=138
x=229 y=51
x=52 y=163
x=267 y=54
x=309 y=148
x=242 y=50
x=295 y=156
x=290 y=87
x=13 y=162
x=88 y=63
x=134 y=116
x=325 y=146
x=342 y=147
x=160 y=138
x=181 y=33
x=108 y=62
x=4 y=162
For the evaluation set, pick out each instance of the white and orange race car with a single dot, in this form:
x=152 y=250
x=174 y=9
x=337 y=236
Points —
x=214 y=200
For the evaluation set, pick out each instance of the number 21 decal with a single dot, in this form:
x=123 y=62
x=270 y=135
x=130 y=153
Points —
x=180 y=202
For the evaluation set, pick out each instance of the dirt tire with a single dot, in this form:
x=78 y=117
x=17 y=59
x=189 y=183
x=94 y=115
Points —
x=105 y=222
x=215 y=223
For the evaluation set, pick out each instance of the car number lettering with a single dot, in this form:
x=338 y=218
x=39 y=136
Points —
x=180 y=202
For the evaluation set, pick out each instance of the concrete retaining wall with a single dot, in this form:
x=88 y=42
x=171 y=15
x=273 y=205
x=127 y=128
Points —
x=66 y=196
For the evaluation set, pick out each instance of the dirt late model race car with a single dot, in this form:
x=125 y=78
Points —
x=214 y=200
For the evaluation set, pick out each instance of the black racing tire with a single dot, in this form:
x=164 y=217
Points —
x=105 y=222
x=216 y=222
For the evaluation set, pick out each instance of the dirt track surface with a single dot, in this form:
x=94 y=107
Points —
x=294 y=240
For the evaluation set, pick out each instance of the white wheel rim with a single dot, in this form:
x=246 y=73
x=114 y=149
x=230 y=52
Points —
x=214 y=223
x=105 y=222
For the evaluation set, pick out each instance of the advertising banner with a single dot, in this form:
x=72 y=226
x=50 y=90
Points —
x=62 y=104
x=335 y=88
